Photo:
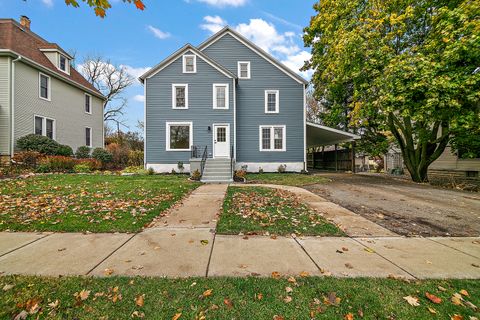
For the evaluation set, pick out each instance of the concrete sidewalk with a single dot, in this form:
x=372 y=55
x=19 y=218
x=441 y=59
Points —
x=185 y=252
x=184 y=244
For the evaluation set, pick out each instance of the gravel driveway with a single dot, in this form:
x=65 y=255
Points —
x=404 y=207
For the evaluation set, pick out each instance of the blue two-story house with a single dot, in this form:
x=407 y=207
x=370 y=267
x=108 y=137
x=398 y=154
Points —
x=222 y=105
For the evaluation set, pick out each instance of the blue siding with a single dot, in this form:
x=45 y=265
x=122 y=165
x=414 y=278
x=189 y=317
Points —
x=227 y=51
x=200 y=109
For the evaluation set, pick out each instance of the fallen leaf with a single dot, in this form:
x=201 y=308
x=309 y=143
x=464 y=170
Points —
x=456 y=317
x=207 y=293
x=292 y=280
x=287 y=299
x=204 y=242
x=275 y=317
x=54 y=304
x=108 y=271
x=177 y=316
x=7 y=287
x=228 y=303
x=433 y=298
x=304 y=274
x=441 y=288
x=464 y=292
x=348 y=265
x=471 y=306
x=412 y=301
x=83 y=295
x=360 y=313
x=21 y=316
x=369 y=250
x=333 y=299
x=259 y=296
x=348 y=316
x=140 y=300
x=137 y=314
x=276 y=275
x=432 y=310
x=457 y=299
x=288 y=289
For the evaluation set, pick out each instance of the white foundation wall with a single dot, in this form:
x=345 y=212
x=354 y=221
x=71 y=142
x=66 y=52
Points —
x=270 y=166
x=167 y=167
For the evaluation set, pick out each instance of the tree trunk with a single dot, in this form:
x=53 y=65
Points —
x=418 y=155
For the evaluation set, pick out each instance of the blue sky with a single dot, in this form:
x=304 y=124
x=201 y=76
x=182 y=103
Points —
x=138 y=40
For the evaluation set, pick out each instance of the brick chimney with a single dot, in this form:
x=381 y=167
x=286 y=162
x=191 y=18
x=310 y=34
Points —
x=25 y=22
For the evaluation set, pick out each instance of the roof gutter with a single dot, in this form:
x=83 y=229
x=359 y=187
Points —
x=12 y=106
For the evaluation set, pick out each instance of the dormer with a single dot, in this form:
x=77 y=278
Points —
x=60 y=59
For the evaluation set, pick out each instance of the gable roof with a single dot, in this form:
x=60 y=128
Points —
x=253 y=47
x=19 y=41
x=188 y=47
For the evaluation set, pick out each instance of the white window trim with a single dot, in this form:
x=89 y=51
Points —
x=49 y=83
x=227 y=96
x=272 y=138
x=84 y=106
x=174 y=96
x=277 y=101
x=184 y=58
x=239 y=74
x=44 y=125
x=91 y=137
x=67 y=64
x=182 y=123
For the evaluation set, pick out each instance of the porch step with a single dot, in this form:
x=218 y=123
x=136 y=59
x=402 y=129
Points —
x=217 y=171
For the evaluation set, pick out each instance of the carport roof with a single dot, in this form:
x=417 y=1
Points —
x=318 y=135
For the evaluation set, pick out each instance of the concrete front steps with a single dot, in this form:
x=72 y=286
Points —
x=217 y=171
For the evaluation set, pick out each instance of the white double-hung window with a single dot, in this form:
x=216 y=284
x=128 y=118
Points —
x=189 y=63
x=272 y=138
x=243 y=71
x=220 y=96
x=44 y=86
x=272 y=101
x=44 y=126
x=179 y=96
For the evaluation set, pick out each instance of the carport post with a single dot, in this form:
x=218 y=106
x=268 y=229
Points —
x=336 y=157
x=353 y=156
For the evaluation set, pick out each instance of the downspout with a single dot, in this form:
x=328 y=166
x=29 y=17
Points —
x=12 y=109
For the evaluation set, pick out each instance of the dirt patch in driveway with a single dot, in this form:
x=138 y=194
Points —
x=404 y=207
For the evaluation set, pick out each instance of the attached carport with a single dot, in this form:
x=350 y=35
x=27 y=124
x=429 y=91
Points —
x=319 y=137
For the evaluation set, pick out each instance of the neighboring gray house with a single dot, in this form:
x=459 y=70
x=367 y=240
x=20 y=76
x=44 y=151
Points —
x=41 y=93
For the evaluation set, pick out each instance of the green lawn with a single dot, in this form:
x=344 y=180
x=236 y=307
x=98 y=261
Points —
x=288 y=179
x=95 y=203
x=260 y=210
x=231 y=298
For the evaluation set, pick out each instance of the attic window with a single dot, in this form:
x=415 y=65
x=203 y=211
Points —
x=63 y=63
x=189 y=63
x=244 y=69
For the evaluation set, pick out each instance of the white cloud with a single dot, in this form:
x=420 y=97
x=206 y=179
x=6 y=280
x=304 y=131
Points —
x=296 y=61
x=158 y=33
x=224 y=3
x=135 y=72
x=282 y=46
x=48 y=3
x=213 y=23
x=282 y=21
x=139 y=98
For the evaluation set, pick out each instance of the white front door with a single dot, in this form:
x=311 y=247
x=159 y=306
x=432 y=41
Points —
x=221 y=140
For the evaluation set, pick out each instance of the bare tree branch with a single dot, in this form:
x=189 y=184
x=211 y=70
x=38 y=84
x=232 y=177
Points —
x=111 y=80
